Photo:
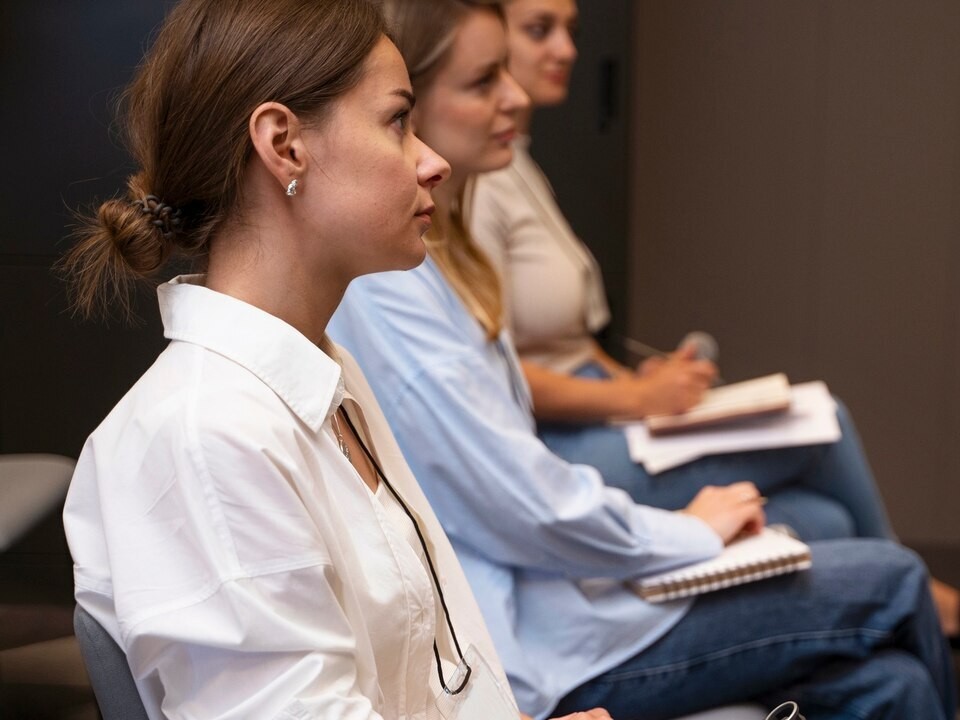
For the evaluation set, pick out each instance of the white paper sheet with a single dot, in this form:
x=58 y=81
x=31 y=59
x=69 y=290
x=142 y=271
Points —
x=812 y=420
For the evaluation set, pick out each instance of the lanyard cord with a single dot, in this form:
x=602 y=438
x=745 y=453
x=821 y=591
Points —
x=426 y=554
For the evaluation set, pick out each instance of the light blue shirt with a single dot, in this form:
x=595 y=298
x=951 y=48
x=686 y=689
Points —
x=545 y=544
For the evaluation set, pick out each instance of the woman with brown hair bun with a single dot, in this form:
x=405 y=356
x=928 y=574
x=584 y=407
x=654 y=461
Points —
x=242 y=523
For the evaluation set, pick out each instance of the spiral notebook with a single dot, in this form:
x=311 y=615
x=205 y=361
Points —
x=770 y=553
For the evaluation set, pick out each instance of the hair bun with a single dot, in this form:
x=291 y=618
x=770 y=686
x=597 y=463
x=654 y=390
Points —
x=137 y=241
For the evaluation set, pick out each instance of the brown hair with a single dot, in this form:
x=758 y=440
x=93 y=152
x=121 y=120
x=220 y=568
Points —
x=186 y=117
x=424 y=31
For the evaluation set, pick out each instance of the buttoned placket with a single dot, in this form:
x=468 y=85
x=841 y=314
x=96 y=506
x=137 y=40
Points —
x=418 y=591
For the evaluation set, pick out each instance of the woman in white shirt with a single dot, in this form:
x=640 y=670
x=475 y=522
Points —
x=555 y=303
x=242 y=523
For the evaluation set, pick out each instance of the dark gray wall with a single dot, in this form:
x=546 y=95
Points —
x=61 y=65
x=582 y=147
x=796 y=184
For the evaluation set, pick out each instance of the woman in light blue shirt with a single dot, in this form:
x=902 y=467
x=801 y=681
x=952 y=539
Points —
x=546 y=544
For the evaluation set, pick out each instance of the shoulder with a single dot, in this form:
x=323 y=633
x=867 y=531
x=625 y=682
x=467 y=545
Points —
x=399 y=326
x=416 y=305
x=495 y=195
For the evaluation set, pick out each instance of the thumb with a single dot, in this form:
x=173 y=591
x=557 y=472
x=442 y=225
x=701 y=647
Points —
x=687 y=351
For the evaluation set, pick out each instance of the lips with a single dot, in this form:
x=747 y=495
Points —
x=423 y=215
x=505 y=136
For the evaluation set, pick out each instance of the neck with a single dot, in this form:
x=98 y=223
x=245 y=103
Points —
x=259 y=267
x=524 y=120
x=446 y=193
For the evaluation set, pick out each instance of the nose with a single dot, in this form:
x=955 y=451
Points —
x=432 y=169
x=513 y=96
x=564 y=46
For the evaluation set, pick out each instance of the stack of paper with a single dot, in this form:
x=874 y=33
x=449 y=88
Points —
x=811 y=420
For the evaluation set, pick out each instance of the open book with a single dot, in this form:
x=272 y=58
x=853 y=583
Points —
x=765 y=555
x=765 y=395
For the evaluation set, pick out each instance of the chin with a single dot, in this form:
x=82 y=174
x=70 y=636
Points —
x=550 y=96
x=496 y=161
x=415 y=257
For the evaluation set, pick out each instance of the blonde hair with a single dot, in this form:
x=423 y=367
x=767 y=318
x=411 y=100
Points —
x=424 y=31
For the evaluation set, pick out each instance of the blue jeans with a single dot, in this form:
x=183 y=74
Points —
x=855 y=637
x=822 y=491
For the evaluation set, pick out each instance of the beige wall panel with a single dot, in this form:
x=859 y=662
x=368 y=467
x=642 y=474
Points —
x=796 y=178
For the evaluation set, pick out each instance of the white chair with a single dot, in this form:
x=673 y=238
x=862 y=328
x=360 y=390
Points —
x=731 y=712
x=30 y=487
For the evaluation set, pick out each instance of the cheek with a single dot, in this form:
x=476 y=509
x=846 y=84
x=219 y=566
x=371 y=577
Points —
x=456 y=133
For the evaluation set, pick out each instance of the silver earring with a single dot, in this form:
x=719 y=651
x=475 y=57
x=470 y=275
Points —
x=292 y=188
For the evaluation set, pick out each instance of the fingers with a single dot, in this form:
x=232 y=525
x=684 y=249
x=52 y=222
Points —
x=744 y=491
x=595 y=714
x=650 y=365
x=731 y=511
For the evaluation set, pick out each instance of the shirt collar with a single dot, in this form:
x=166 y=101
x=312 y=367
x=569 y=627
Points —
x=307 y=378
x=522 y=142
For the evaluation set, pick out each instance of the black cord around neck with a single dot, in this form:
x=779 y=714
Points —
x=426 y=554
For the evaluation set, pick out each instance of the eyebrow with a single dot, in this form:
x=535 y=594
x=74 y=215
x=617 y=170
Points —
x=492 y=66
x=545 y=16
x=406 y=95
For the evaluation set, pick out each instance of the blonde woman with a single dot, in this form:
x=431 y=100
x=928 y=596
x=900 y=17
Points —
x=547 y=545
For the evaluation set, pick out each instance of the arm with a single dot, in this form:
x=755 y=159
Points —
x=612 y=367
x=225 y=586
x=497 y=489
x=673 y=386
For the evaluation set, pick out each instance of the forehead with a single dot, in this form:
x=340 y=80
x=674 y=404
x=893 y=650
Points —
x=563 y=9
x=384 y=73
x=384 y=67
x=480 y=40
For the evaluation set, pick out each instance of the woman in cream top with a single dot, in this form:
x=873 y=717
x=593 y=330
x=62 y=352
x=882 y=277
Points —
x=552 y=284
x=555 y=304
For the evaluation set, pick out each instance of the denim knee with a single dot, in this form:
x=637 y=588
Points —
x=890 y=685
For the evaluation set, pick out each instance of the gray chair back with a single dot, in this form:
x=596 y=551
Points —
x=109 y=672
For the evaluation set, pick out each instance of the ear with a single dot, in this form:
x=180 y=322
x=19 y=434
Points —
x=278 y=141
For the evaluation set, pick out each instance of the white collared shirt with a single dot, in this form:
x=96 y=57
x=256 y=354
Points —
x=223 y=540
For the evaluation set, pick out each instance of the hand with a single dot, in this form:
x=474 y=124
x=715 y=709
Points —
x=731 y=511
x=674 y=384
x=595 y=714
x=650 y=365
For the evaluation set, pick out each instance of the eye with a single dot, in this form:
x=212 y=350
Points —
x=487 y=80
x=402 y=120
x=538 y=31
